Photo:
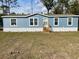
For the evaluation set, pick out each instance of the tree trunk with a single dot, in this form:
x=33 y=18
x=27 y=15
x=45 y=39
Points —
x=8 y=7
x=48 y=11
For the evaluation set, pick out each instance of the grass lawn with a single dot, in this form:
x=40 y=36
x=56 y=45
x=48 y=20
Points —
x=39 y=45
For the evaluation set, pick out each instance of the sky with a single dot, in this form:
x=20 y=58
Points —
x=25 y=7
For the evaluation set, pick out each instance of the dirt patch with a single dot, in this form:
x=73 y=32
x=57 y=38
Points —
x=61 y=55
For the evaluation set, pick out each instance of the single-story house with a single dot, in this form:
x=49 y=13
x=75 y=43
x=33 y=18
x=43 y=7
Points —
x=40 y=23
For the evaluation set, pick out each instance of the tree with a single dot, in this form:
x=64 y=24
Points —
x=2 y=3
x=57 y=10
x=11 y=3
x=75 y=8
x=64 y=5
x=8 y=3
x=48 y=4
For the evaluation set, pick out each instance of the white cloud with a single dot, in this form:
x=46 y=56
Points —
x=26 y=7
x=44 y=9
x=39 y=7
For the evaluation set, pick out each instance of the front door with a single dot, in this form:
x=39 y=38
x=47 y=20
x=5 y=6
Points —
x=46 y=25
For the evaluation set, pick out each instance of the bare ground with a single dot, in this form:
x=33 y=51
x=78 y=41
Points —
x=39 y=45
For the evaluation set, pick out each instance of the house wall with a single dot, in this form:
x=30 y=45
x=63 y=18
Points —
x=23 y=25
x=63 y=24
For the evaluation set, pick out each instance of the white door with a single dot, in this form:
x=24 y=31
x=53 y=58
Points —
x=45 y=22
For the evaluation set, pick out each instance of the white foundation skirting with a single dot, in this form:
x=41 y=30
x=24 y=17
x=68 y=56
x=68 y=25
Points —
x=34 y=29
x=22 y=29
x=64 y=29
x=57 y=29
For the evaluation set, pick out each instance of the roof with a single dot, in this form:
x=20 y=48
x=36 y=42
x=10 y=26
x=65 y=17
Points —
x=20 y=15
x=67 y=15
x=28 y=15
x=14 y=15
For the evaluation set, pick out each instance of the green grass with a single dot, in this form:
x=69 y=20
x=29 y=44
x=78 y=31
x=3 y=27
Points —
x=63 y=45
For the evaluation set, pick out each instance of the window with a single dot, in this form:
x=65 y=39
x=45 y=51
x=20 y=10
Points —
x=69 y=21
x=33 y=21
x=56 y=22
x=13 y=22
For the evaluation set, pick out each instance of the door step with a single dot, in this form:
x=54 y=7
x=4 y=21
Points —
x=46 y=29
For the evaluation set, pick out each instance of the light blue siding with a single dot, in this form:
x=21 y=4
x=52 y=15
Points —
x=23 y=22
x=63 y=22
x=40 y=22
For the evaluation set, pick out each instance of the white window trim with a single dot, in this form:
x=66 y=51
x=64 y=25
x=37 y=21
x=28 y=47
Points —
x=10 y=22
x=33 y=21
x=71 y=22
x=54 y=22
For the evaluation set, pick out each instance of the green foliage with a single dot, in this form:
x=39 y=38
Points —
x=57 y=10
x=64 y=4
x=75 y=8
x=71 y=7
x=58 y=7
